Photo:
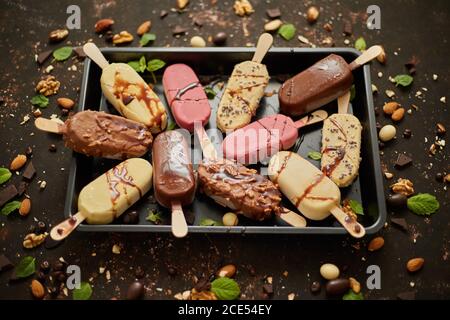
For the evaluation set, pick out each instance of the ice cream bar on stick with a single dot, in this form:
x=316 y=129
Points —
x=108 y=196
x=310 y=190
x=321 y=83
x=341 y=144
x=99 y=134
x=244 y=89
x=173 y=181
x=243 y=190
x=125 y=89
x=264 y=137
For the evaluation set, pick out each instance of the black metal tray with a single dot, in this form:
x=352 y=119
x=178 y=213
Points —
x=210 y=63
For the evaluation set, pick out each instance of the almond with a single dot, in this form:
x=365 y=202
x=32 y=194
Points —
x=181 y=4
x=398 y=114
x=227 y=271
x=144 y=27
x=382 y=56
x=354 y=285
x=18 y=162
x=25 y=207
x=376 y=244
x=415 y=264
x=65 y=103
x=390 y=107
x=37 y=289
x=103 y=25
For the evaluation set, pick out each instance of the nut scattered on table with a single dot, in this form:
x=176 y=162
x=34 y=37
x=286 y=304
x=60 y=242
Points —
x=382 y=56
x=48 y=86
x=58 y=35
x=103 y=25
x=329 y=271
x=403 y=186
x=65 y=103
x=440 y=129
x=387 y=133
x=375 y=244
x=227 y=271
x=122 y=37
x=354 y=285
x=312 y=14
x=202 y=295
x=243 y=7
x=415 y=264
x=198 y=42
x=398 y=114
x=32 y=240
x=37 y=289
x=181 y=4
x=230 y=219
x=18 y=162
x=144 y=27
x=273 y=25
x=25 y=207
x=390 y=107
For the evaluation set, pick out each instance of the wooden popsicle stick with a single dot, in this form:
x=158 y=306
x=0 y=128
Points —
x=209 y=151
x=179 y=225
x=264 y=43
x=355 y=229
x=63 y=229
x=48 y=125
x=292 y=218
x=93 y=52
x=315 y=117
x=366 y=56
x=343 y=102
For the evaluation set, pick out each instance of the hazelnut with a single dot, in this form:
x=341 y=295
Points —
x=312 y=14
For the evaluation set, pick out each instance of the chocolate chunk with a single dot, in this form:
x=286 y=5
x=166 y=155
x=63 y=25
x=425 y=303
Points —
x=22 y=188
x=273 y=13
x=51 y=244
x=127 y=99
x=29 y=151
x=109 y=35
x=7 y=194
x=396 y=201
x=178 y=30
x=130 y=218
x=400 y=223
x=202 y=284
x=408 y=295
x=220 y=38
x=43 y=56
x=439 y=177
x=268 y=288
x=337 y=287
x=163 y=14
x=135 y=291
x=79 y=52
x=402 y=161
x=412 y=63
x=347 y=28
x=315 y=287
x=52 y=148
x=198 y=22
x=5 y=264
x=407 y=133
x=29 y=171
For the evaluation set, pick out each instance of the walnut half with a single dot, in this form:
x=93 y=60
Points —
x=403 y=186
x=32 y=240
x=48 y=86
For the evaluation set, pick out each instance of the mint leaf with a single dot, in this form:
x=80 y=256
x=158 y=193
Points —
x=210 y=93
x=225 y=288
x=423 y=204
x=287 y=31
x=356 y=207
x=62 y=53
x=206 y=222
x=171 y=126
x=142 y=64
x=403 y=80
x=5 y=175
x=39 y=100
x=135 y=65
x=146 y=38
x=155 y=64
x=154 y=216
x=351 y=295
x=360 y=44
x=10 y=207
x=26 y=267
x=83 y=293
x=352 y=92
x=314 y=155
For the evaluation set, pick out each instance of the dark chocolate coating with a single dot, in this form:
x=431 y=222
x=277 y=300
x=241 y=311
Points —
x=318 y=85
x=99 y=134
x=173 y=176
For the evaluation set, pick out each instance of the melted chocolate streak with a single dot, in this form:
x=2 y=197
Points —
x=108 y=136
x=328 y=170
x=271 y=133
x=117 y=178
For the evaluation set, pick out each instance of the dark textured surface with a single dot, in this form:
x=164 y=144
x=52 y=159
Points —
x=408 y=27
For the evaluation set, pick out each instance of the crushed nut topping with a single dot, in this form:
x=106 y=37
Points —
x=48 y=86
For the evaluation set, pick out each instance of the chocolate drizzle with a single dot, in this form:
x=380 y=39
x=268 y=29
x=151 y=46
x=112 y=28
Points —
x=340 y=151
x=309 y=189
x=117 y=176
x=182 y=91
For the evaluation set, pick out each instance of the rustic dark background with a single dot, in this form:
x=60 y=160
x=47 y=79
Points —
x=409 y=28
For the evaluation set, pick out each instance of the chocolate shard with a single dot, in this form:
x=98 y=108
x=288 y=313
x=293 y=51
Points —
x=268 y=289
x=402 y=161
x=163 y=14
x=203 y=284
x=79 y=52
x=7 y=194
x=408 y=295
x=5 y=263
x=43 y=56
x=178 y=30
x=29 y=171
x=400 y=223
x=273 y=13
x=22 y=188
